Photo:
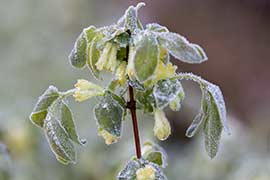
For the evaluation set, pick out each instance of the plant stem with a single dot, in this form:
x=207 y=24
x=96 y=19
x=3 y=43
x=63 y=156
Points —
x=131 y=105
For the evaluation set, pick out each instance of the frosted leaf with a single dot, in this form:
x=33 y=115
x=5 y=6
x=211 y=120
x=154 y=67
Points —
x=90 y=33
x=214 y=90
x=109 y=115
x=78 y=55
x=129 y=172
x=145 y=100
x=40 y=110
x=155 y=154
x=165 y=91
x=130 y=19
x=156 y=27
x=164 y=55
x=146 y=56
x=181 y=49
x=212 y=127
x=195 y=125
x=175 y=104
x=93 y=57
x=212 y=115
x=137 y=85
x=59 y=139
x=218 y=99
x=68 y=124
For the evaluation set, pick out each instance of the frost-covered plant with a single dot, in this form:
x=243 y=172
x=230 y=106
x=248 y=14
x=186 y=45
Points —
x=139 y=59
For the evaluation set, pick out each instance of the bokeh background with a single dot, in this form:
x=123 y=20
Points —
x=36 y=37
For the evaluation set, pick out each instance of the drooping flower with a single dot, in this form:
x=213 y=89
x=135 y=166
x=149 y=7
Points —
x=121 y=73
x=109 y=138
x=162 y=128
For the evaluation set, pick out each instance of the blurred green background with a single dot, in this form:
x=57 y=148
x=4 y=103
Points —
x=36 y=37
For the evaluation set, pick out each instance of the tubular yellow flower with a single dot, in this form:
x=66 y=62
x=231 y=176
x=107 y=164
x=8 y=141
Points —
x=121 y=73
x=109 y=138
x=83 y=84
x=103 y=59
x=85 y=90
x=162 y=128
x=146 y=173
x=84 y=95
x=111 y=62
x=130 y=66
x=165 y=71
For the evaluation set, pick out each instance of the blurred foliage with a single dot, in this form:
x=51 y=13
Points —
x=35 y=39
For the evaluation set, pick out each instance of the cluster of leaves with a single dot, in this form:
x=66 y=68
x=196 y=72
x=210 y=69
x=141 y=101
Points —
x=138 y=56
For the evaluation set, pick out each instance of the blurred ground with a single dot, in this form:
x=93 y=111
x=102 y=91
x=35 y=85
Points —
x=36 y=37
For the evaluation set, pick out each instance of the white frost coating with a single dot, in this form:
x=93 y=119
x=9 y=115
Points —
x=214 y=90
x=219 y=100
x=181 y=48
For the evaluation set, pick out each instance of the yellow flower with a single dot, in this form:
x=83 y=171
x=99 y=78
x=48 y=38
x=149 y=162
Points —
x=162 y=128
x=121 y=73
x=109 y=138
x=103 y=59
x=111 y=62
x=85 y=90
x=165 y=71
x=83 y=84
x=146 y=173
x=84 y=95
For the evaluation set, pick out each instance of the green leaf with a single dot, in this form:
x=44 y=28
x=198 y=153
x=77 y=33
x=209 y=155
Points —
x=175 y=104
x=155 y=154
x=166 y=91
x=145 y=100
x=146 y=56
x=199 y=119
x=129 y=171
x=78 y=55
x=212 y=115
x=68 y=124
x=41 y=108
x=131 y=18
x=136 y=84
x=58 y=139
x=109 y=115
x=93 y=57
x=156 y=27
x=181 y=49
x=212 y=127
x=90 y=33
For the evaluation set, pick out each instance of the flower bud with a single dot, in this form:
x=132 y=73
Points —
x=121 y=73
x=109 y=138
x=146 y=173
x=162 y=128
